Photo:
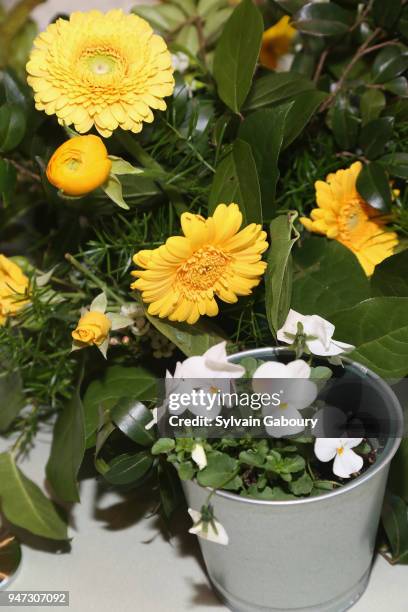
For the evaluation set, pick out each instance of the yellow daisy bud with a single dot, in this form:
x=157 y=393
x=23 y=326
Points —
x=13 y=287
x=79 y=166
x=93 y=328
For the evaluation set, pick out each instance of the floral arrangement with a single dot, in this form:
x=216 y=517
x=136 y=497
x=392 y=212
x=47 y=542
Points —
x=178 y=184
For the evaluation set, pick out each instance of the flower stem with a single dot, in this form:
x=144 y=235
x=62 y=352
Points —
x=92 y=277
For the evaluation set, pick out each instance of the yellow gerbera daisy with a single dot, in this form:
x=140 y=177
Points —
x=180 y=278
x=107 y=70
x=276 y=41
x=13 y=288
x=342 y=214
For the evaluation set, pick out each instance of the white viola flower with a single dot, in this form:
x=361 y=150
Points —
x=318 y=334
x=198 y=456
x=180 y=61
x=296 y=392
x=210 y=372
x=346 y=461
x=210 y=530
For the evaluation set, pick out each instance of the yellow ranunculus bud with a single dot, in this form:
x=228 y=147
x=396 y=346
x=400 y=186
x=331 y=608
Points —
x=13 y=286
x=79 y=166
x=93 y=328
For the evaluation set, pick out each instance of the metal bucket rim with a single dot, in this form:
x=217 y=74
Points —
x=379 y=465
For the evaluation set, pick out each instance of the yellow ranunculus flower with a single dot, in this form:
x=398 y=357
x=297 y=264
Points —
x=93 y=328
x=80 y=165
x=13 y=287
x=276 y=41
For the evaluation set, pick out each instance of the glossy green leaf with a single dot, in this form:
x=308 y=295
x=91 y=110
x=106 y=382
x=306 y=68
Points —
x=236 y=54
x=345 y=124
x=25 y=505
x=236 y=180
x=389 y=63
x=129 y=469
x=300 y=113
x=390 y=277
x=372 y=102
x=378 y=328
x=12 y=126
x=386 y=13
x=395 y=522
x=276 y=88
x=397 y=86
x=12 y=398
x=373 y=186
x=131 y=416
x=67 y=450
x=375 y=136
x=396 y=164
x=278 y=279
x=327 y=278
x=322 y=19
x=263 y=131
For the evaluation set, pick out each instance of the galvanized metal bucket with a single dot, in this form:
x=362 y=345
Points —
x=306 y=555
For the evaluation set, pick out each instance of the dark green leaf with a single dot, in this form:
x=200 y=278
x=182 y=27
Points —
x=236 y=180
x=345 y=124
x=378 y=328
x=171 y=494
x=322 y=19
x=12 y=399
x=390 y=277
x=389 y=63
x=397 y=86
x=236 y=54
x=375 y=136
x=386 y=13
x=278 y=279
x=276 y=88
x=8 y=180
x=131 y=416
x=398 y=482
x=372 y=102
x=396 y=164
x=12 y=126
x=327 y=278
x=373 y=186
x=300 y=113
x=67 y=450
x=263 y=131
x=129 y=469
x=25 y=505
x=395 y=521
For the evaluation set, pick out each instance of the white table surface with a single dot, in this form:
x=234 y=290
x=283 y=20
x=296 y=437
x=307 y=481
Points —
x=121 y=561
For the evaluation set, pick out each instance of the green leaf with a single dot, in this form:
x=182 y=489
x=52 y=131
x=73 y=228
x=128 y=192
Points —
x=390 y=277
x=12 y=398
x=118 y=382
x=67 y=450
x=396 y=164
x=276 y=88
x=121 y=166
x=12 y=126
x=300 y=113
x=375 y=136
x=345 y=123
x=129 y=469
x=186 y=470
x=278 y=279
x=162 y=17
x=219 y=472
x=398 y=482
x=263 y=131
x=374 y=187
x=322 y=19
x=395 y=522
x=190 y=339
x=131 y=416
x=378 y=327
x=8 y=180
x=113 y=189
x=397 y=86
x=163 y=445
x=327 y=278
x=268 y=493
x=372 y=102
x=25 y=505
x=236 y=180
x=386 y=13
x=389 y=63
x=302 y=485
x=236 y=54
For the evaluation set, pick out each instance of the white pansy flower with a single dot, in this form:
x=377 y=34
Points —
x=210 y=530
x=318 y=334
x=180 y=61
x=198 y=456
x=346 y=461
x=296 y=392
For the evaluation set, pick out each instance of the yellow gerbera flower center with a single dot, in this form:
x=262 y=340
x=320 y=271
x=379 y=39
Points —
x=352 y=216
x=100 y=63
x=202 y=269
